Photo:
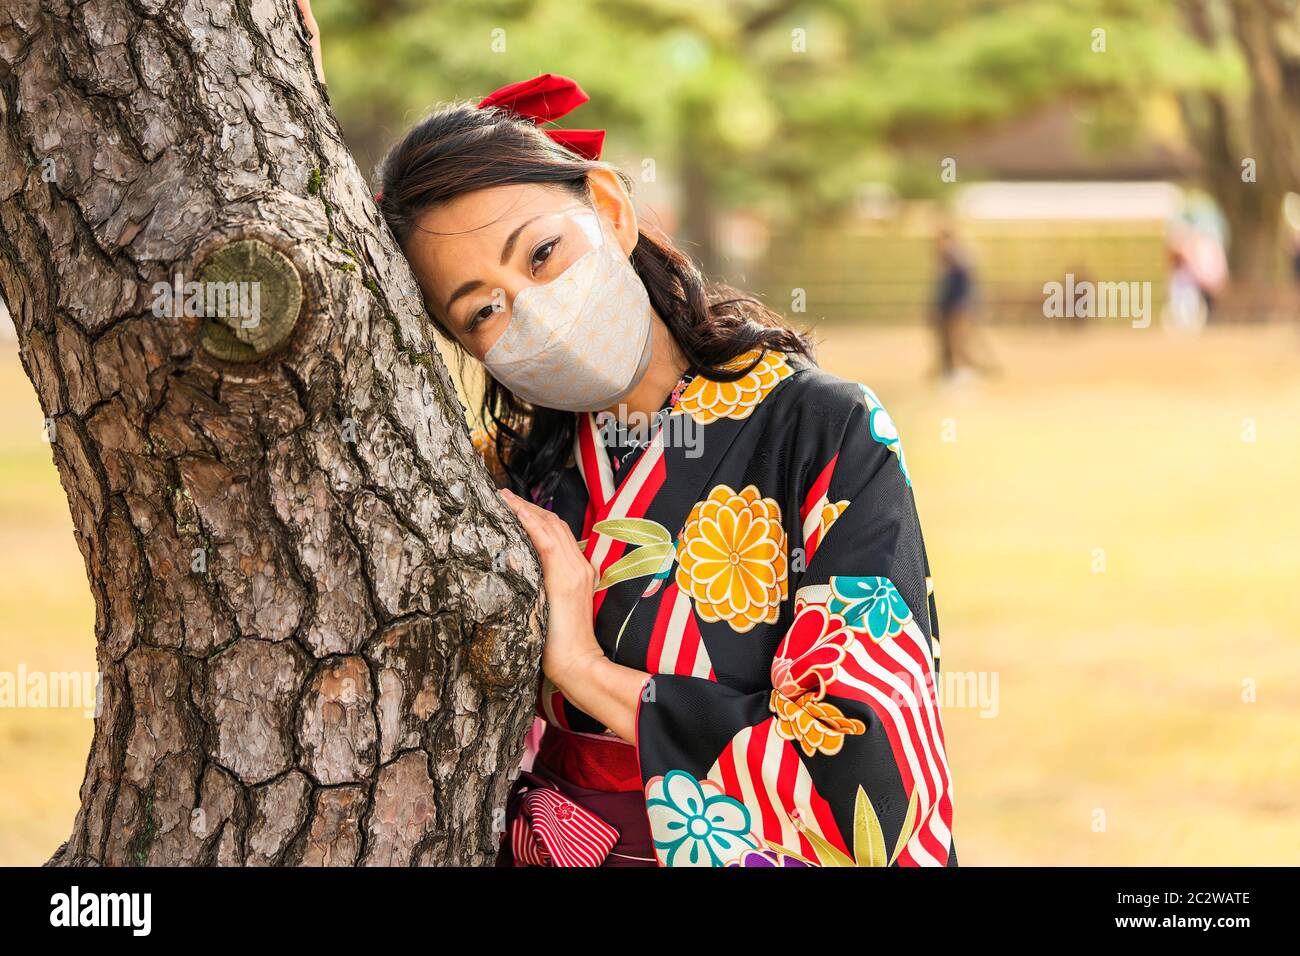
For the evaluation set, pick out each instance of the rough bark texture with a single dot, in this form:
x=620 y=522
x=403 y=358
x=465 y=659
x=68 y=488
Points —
x=317 y=626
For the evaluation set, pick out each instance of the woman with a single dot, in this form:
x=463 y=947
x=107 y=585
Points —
x=740 y=654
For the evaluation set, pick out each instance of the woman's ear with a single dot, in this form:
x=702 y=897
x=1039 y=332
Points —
x=615 y=205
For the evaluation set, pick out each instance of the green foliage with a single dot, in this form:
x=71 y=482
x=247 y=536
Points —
x=782 y=130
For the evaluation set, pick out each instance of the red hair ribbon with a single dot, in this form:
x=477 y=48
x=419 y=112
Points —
x=548 y=97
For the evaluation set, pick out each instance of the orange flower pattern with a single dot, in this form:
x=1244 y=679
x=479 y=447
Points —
x=707 y=401
x=827 y=515
x=816 y=725
x=732 y=558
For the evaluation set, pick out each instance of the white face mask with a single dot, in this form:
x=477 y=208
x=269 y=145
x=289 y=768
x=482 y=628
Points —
x=582 y=341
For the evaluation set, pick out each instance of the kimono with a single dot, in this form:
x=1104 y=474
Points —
x=761 y=559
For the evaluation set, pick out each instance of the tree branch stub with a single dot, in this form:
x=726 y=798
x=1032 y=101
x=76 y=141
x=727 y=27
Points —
x=252 y=273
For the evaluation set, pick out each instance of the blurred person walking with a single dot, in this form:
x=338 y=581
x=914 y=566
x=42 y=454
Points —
x=954 y=303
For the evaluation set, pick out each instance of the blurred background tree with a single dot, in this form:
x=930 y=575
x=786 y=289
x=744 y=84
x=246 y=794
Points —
x=786 y=108
x=1258 y=120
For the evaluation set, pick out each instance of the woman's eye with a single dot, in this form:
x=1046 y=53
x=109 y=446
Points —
x=542 y=253
x=482 y=315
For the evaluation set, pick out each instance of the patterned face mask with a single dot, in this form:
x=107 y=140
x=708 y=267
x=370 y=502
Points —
x=582 y=341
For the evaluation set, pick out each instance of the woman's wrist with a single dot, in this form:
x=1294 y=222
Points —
x=580 y=670
x=605 y=691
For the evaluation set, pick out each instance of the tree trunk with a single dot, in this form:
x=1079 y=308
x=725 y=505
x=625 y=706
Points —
x=1265 y=29
x=1267 y=32
x=318 y=629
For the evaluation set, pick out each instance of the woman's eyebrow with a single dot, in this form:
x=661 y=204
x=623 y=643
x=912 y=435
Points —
x=465 y=289
x=509 y=246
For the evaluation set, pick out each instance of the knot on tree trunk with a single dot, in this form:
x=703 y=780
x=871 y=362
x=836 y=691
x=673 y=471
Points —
x=252 y=295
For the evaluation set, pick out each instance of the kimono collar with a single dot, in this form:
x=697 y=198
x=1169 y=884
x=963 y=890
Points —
x=591 y=448
x=699 y=397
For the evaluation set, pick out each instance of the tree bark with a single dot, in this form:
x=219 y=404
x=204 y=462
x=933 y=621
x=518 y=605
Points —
x=318 y=629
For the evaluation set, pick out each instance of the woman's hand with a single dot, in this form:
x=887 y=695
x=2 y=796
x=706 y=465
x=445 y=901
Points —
x=570 y=580
x=304 y=7
x=572 y=659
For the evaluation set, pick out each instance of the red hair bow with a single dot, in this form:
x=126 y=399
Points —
x=548 y=97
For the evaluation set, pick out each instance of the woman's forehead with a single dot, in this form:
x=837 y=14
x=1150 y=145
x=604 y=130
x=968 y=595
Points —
x=488 y=215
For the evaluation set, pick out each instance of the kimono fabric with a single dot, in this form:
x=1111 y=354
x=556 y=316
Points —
x=595 y=774
x=759 y=556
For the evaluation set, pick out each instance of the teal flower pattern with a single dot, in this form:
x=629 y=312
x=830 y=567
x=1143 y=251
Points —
x=884 y=430
x=871 y=602
x=694 y=823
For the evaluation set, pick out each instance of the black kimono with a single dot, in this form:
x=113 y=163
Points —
x=762 y=560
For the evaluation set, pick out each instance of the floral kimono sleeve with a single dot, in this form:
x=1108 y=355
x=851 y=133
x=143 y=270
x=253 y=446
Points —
x=837 y=757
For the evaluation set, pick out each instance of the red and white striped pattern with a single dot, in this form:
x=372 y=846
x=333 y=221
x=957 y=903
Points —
x=675 y=644
x=630 y=500
x=810 y=513
x=552 y=830
x=761 y=770
x=896 y=679
x=593 y=466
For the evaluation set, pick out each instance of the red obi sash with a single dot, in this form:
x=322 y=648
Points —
x=553 y=821
x=597 y=763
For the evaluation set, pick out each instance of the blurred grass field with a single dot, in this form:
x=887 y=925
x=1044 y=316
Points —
x=1121 y=735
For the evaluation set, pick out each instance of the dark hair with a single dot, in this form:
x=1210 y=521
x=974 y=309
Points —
x=460 y=149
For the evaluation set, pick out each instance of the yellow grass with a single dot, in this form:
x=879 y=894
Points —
x=1120 y=733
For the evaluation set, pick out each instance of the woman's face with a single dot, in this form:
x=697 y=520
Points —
x=474 y=254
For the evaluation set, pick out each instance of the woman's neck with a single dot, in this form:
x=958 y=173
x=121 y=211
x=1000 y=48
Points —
x=667 y=365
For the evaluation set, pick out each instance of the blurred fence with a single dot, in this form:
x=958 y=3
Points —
x=885 y=272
